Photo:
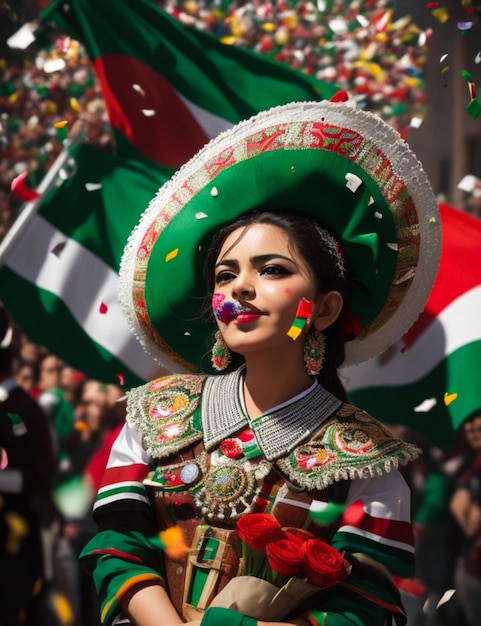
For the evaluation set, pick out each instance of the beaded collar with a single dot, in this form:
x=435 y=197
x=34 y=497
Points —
x=277 y=432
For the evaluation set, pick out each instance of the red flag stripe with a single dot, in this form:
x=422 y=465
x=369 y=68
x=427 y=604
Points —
x=145 y=115
x=390 y=529
x=459 y=269
x=136 y=472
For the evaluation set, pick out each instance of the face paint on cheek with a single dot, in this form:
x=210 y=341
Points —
x=303 y=318
x=225 y=310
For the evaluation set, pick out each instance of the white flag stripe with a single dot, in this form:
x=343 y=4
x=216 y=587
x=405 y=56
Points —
x=117 y=497
x=354 y=530
x=83 y=282
x=456 y=326
x=211 y=123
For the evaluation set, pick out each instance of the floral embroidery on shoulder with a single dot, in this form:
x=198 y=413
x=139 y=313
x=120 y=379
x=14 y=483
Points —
x=350 y=444
x=162 y=412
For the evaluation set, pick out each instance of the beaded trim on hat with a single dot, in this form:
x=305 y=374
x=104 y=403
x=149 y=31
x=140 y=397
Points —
x=277 y=433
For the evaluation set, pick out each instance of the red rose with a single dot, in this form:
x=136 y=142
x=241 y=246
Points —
x=258 y=529
x=285 y=556
x=323 y=565
x=297 y=534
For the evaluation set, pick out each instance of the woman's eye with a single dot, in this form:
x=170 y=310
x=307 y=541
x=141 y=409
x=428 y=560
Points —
x=275 y=270
x=223 y=277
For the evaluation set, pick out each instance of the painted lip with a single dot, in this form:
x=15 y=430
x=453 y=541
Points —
x=245 y=318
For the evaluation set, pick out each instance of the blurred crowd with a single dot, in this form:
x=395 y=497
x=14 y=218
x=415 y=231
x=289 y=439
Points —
x=358 y=44
x=56 y=429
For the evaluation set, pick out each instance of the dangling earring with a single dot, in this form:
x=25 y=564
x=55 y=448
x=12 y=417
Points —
x=220 y=353
x=314 y=347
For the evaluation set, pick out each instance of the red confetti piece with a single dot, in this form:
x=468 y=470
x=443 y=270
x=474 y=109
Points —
x=20 y=189
x=121 y=379
x=340 y=96
x=103 y=308
x=57 y=250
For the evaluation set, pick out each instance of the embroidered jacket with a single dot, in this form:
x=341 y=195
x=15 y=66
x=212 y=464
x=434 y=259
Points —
x=189 y=439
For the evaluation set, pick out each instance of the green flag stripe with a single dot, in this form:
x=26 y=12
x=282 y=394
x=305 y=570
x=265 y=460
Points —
x=56 y=328
x=438 y=423
x=74 y=282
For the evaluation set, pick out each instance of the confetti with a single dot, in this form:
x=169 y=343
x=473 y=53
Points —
x=474 y=108
x=148 y=112
x=200 y=216
x=426 y=405
x=449 y=397
x=446 y=597
x=353 y=182
x=121 y=379
x=3 y=459
x=214 y=192
x=465 y=27
x=103 y=308
x=93 y=186
x=440 y=14
x=62 y=129
x=328 y=512
x=173 y=540
x=73 y=497
x=20 y=189
x=63 y=609
x=138 y=89
x=58 y=248
x=75 y=105
x=172 y=255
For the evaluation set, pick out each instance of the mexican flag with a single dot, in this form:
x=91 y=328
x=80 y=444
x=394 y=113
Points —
x=431 y=380
x=168 y=90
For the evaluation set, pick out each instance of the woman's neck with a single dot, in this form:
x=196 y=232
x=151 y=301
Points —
x=266 y=384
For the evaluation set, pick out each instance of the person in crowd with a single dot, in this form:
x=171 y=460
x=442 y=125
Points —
x=27 y=471
x=466 y=508
x=302 y=239
x=98 y=418
x=56 y=406
x=27 y=378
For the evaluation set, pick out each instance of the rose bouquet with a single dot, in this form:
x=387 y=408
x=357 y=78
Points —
x=282 y=568
x=278 y=554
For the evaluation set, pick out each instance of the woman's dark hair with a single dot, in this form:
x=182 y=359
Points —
x=306 y=238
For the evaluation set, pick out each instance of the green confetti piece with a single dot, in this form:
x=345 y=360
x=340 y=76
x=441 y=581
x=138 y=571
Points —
x=474 y=108
x=328 y=514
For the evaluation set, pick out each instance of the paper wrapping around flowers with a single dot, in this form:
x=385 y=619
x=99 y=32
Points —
x=262 y=600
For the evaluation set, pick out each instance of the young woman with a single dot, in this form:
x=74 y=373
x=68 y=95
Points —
x=314 y=233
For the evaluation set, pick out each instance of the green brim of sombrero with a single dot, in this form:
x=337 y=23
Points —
x=342 y=167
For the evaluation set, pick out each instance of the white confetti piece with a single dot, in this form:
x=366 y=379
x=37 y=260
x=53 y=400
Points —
x=214 y=192
x=353 y=182
x=426 y=405
x=393 y=246
x=148 y=112
x=378 y=215
x=138 y=89
x=446 y=597
x=200 y=216
x=92 y=186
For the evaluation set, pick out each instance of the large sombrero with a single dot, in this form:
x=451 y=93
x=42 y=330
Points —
x=343 y=167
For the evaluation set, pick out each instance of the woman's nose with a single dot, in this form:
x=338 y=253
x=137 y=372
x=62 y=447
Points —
x=243 y=287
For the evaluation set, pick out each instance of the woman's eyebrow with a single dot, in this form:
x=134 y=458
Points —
x=255 y=260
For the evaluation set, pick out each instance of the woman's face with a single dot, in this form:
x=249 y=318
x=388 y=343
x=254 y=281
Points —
x=259 y=281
